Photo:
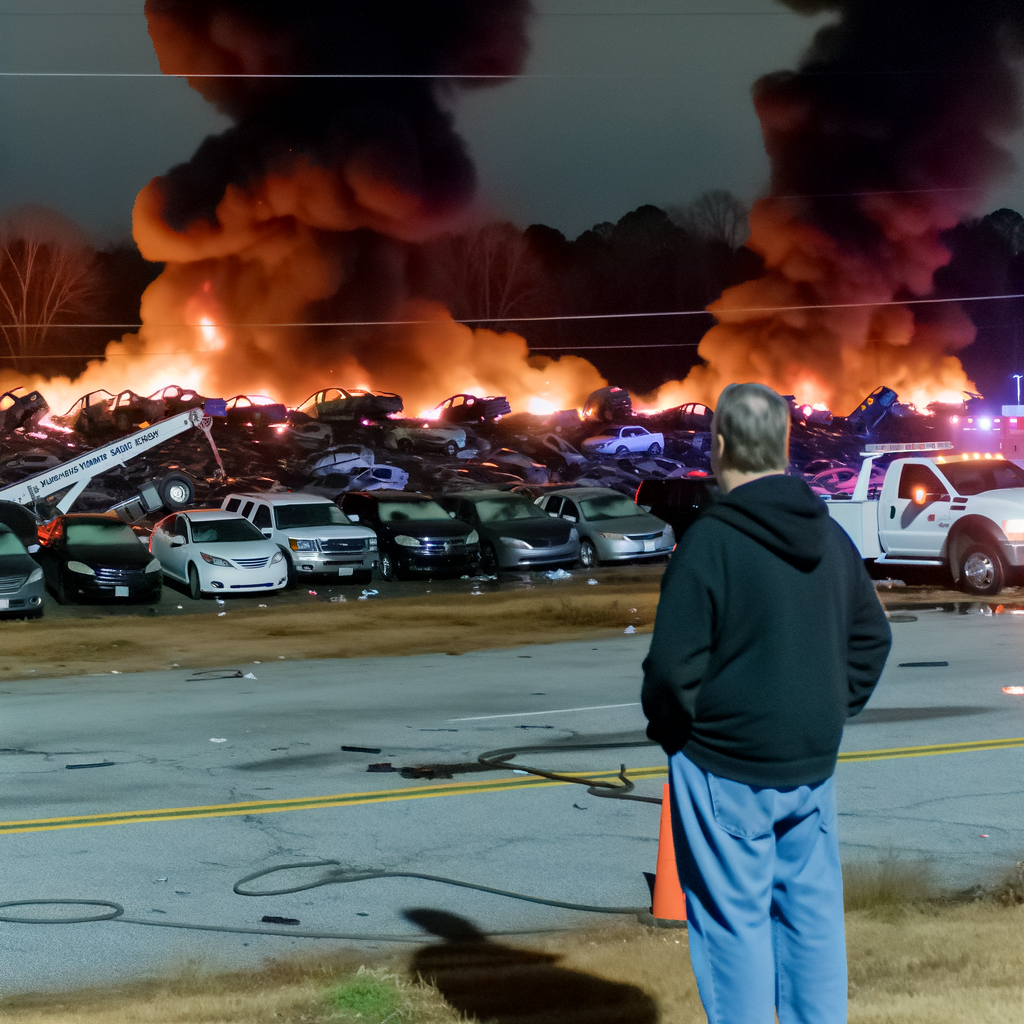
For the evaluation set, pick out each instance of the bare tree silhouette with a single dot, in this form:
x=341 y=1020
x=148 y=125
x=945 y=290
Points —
x=717 y=216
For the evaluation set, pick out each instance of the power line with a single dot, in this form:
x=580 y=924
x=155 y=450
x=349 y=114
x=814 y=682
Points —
x=469 y=321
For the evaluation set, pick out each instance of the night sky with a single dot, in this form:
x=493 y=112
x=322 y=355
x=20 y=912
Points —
x=652 y=106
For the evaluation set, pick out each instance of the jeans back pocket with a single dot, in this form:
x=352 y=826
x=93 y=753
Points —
x=747 y=812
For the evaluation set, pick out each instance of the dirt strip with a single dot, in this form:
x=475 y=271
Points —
x=448 y=623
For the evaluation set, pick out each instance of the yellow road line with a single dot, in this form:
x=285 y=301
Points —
x=444 y=789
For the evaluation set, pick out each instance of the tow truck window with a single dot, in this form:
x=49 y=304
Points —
x=975 y=477
x=291 y=517
x=262 y=518
x=915 y=478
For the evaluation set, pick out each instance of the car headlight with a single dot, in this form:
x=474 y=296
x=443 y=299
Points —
x=611 y=536
x=35 y=576
x=574 y=534
x=407 y=542
x=215 y=560
x=473 y=537
x=371 y=544
x=154 y=565
x=513 y=542
x=81 y=567
x=301 y=545
x=278 y=557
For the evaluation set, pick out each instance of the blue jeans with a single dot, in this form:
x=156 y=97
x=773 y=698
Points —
x=764 y=897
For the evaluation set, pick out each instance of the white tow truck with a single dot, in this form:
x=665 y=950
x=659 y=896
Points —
x=54 y=491
x=959 y=511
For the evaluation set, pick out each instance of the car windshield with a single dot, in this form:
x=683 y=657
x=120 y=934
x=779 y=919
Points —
x=409 y=511
x=499 y=510
x=10 y=545
x=100 y=534
x=609 y=506
x=223 y=531
x=975 y=477
x=321 y=513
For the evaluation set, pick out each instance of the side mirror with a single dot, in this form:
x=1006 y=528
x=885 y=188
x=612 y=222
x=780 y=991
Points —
x=267 y=533
x=451 y=515
x=646 y=508
x=554 y=515
x=32 y=548
x=353 y=519
x=177 y=542
x=570 y=519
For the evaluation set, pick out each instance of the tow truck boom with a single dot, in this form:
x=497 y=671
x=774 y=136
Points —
x=72 y=477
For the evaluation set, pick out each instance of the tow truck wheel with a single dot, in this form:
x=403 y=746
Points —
x=177 y=491
x=194 y=587
x=981 y=571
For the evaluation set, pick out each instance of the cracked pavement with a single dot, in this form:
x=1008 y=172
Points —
x=282 y=736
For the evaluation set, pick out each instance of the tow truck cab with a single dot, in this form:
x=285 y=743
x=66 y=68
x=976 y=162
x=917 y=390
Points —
x=964 y=511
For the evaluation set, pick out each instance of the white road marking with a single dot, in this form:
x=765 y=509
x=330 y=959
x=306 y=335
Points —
x=559 y=711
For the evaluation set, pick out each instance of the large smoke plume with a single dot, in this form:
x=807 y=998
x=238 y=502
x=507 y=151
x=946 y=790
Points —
x=888 y=134
x=306 y=208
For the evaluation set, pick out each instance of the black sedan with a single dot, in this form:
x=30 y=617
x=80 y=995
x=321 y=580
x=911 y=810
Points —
x=97 y=556
x=415 y=535
x=514 y=533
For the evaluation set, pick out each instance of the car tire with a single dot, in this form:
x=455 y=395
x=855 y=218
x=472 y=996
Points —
x=588 y=555
x=195 y=587
x=62 y=591
x=387 y=568
x=622 y=450
x=488 y=558
x=451 y=448
x=981 y=570
x=655 y=449
x=290 y=568
x=176 y=490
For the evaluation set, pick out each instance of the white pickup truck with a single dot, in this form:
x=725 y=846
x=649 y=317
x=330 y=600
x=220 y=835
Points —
x=961 y=511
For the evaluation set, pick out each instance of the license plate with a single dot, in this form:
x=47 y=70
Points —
x=346 y=570
x=649 y=545
x=4 y=603
x=120 y=591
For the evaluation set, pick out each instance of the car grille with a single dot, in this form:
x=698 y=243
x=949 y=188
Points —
x=11 y=584
x=441 y=547
x=336 y=545
x=644 y=536
x=251 y=563
x=121 y=576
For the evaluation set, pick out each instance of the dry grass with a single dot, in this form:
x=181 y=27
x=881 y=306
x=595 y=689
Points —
x=450 y=624
x=929 y=964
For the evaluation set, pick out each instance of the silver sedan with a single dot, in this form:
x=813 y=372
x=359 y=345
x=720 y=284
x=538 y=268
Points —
x=612 y=528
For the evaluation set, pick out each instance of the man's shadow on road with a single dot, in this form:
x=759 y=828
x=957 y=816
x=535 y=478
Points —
x=492 y=982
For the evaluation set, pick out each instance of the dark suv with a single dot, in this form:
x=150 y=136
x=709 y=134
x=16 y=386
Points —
x=415 y=535
x=678 y=501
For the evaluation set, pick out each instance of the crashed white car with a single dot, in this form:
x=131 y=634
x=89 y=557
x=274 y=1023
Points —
x=450 y=440
x=619 y=440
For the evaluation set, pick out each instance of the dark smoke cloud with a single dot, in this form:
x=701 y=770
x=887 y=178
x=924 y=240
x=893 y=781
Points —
x=399 y=128
x=889 y=133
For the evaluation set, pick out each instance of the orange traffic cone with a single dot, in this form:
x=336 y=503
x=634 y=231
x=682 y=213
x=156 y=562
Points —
x=669 y=904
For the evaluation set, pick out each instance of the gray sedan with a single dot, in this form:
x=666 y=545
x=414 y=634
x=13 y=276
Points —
x=612 y=528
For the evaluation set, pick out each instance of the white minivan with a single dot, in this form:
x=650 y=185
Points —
x=315 y=536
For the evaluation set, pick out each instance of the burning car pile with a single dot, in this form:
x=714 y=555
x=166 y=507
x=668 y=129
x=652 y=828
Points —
x=342 y=443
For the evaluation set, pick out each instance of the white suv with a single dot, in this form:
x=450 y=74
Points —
x=317 y=538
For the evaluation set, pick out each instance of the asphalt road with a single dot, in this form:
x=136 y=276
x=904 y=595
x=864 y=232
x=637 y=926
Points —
x=254 y=773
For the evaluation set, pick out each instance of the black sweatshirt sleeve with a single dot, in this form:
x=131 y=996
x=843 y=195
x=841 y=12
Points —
x=680 y=648
x=870 y=640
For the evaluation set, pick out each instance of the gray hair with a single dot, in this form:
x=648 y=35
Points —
x=754 y=423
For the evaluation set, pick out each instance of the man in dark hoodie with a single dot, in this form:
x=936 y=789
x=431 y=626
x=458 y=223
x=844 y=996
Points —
x=769 y=635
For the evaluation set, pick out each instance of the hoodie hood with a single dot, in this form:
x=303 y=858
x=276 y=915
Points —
x=782 y=514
